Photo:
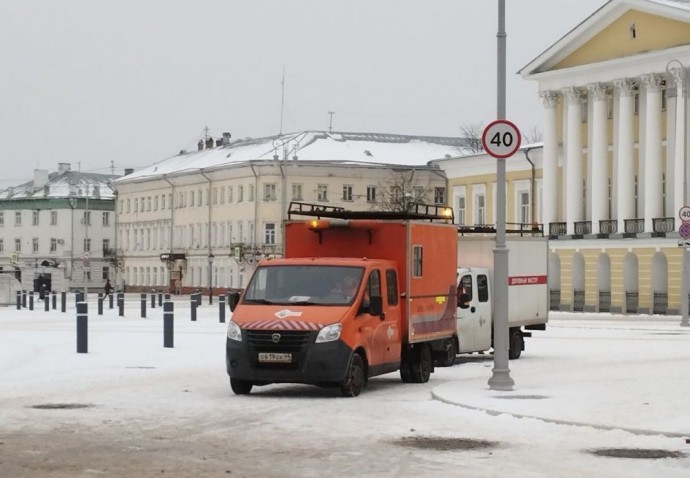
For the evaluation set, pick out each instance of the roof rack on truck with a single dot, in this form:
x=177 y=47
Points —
x=522 y=229
x=427 y=212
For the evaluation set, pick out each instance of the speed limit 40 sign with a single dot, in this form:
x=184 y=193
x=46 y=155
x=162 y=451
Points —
x=501 y=139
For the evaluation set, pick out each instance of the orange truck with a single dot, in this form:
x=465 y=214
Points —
x=358 y=294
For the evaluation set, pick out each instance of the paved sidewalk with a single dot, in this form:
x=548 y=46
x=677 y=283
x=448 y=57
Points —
x=611 y=372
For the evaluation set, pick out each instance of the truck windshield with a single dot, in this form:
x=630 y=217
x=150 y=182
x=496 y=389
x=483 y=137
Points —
x=304 y=285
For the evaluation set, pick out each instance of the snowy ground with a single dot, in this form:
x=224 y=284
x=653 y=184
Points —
x=130 y=407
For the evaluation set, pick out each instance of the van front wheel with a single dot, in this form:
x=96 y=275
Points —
x=517 y=344
x=354 y=381
x=241 y=387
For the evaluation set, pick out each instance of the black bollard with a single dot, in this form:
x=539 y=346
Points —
x=24 y=299
x=168 y=324
x=31 y=301
x=221 y=309
x=143 y=305
x=19 y=300
x=53 y=296
x=46 y=299
x=160 y=299
x=121 y=304
x=110 y=300
x=167 y=297
x=63 y=301
x=78 y=297
x=193 y=306
x=100 y=303
x=82 y=328
x=153 y=300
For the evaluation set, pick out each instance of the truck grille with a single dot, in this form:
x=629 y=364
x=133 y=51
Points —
x=289 y=341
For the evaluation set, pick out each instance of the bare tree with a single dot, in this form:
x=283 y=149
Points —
x=402 y=191
x=533 y=135
x=472 y=132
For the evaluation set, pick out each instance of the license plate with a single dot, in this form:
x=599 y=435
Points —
x=275 y=357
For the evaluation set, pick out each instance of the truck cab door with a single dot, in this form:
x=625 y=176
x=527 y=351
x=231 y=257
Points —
x=370 y=326
x=473 y=313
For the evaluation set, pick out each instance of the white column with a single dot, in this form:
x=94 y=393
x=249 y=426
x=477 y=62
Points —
x=599 y=166
x=652 y=165
x=550 y=158
x=573 y=160
x=675 y=169
x=625 y=179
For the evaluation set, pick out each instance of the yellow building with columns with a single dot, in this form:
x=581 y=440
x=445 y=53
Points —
x=611 y=175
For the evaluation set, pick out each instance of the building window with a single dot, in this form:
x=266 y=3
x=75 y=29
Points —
x=17 y=218
x=53 y=218
x=270 y=233
x=240 y=193
x=87 y=245
x=106 y=273
x=2 y=245
x=222 y=195
x=347 y=193
x=106 y=219
x=215 y=195
x=460 y=210
x=53 y=245
x=17 y=245
x=2 y=218
x=87 y=218
x=439 y=195
x=200 y=198
x=34 y=244
x=322 y=192
x=371 y=193
x=148 y=203
x=229 y=194
x=34 y=218
x=524 y=207
x=270 y=192
x=129 y=204
x=296 y=192
x=163 y=201
x=417 y=256
x=87 y=275
x=480 y=212
x=251 y=192
x=106 y=246
x=136 y=204
x=155 y=203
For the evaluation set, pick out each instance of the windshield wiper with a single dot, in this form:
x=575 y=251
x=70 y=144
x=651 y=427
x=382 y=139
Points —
x=258 y=301
x=302 y=302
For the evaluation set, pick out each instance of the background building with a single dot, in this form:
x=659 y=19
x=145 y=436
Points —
x=58 y=230
x=614 y=170
x=202 y=219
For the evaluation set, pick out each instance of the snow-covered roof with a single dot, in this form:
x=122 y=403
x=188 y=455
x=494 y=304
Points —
x=347 y=148
x=62 y=184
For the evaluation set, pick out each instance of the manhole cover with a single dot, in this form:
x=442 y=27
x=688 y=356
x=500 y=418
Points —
x=445 y=444
x=61 y=406
x=640 y=453
x=521 y=397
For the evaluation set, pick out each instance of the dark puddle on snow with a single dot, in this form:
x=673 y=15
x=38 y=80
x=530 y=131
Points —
x=521 y=397
x=445 y=444
x=62 y=406
x=636 y=453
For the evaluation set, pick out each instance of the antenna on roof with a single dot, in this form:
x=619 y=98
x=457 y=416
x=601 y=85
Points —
x=330 y=123
x=206 y=133
x=282 y=101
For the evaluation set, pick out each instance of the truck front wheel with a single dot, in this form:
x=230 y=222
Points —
x=241 y=387
x=354 y=381
x=517 y=344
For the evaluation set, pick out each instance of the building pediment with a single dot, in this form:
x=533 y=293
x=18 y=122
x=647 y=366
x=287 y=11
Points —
x=619 y=29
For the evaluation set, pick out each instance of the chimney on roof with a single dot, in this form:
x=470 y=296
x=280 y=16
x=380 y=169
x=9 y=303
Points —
x=219 y=142
x=226 y=138
x=129 y=171
x=200 y=145
x=40 y=178
x=64 y=167
x=209 y=143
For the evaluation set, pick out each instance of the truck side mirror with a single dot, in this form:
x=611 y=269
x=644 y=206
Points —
x=233 y=299
x=376 y=305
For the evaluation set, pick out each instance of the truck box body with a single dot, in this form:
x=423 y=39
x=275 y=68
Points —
x=528 y=293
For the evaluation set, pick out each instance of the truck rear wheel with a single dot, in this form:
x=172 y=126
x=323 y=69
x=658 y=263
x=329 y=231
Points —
x=241 y=387
x=517 y=344
x=422 y=365
x=354 y=381
x=446 y=357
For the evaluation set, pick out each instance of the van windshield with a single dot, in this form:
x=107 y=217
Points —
x=304 y=285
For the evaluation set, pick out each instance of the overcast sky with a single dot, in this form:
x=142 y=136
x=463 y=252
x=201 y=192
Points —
x=136 y=81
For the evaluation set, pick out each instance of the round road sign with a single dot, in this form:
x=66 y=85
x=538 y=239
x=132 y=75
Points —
x=684 y=230
x=501 y=139
x=684 y=213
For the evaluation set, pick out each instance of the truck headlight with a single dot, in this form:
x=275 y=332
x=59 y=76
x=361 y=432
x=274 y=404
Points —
x=329 y=333
x=234 y=331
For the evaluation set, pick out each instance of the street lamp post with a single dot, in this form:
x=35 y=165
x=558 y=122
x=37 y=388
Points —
x=684 y=279
x=210 y=277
